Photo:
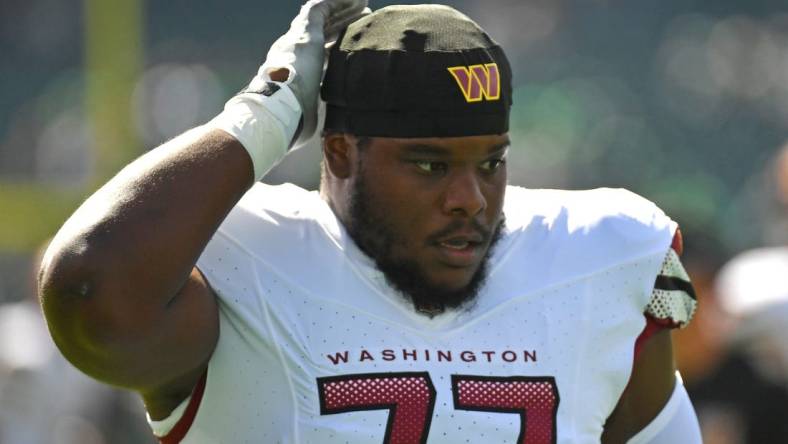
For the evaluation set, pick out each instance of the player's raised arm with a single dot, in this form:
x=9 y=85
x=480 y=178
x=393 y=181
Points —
x=118 y=285
x=655 y=407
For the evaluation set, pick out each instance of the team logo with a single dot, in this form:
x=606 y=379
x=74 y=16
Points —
x=478 y=82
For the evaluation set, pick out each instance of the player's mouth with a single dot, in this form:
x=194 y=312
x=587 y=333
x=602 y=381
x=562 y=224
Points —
x=461 y=250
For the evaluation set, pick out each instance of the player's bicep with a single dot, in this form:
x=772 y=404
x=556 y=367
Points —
x=189 y=327
x=672 y=305
x=191 y=322
x=188 y=332
x=647 y=392
x=171 y=340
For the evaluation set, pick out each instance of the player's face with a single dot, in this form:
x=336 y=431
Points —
x=428 y=211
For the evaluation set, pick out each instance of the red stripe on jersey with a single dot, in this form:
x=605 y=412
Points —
x=183 y=425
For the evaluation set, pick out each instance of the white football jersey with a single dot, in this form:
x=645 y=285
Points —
x=316 y=348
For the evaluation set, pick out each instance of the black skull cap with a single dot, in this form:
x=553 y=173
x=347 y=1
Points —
x=417 y=71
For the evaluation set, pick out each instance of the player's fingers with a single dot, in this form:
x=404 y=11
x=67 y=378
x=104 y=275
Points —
x=338 y=7
x=326 y=11
x=339 y=23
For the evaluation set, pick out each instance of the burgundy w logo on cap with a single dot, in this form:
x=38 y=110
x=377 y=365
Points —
x=478 y=82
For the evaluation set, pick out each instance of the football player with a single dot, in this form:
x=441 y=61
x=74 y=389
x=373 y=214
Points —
x=416 y=298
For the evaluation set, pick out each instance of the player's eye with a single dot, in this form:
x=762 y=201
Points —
x=428 y=166
x=491 y=165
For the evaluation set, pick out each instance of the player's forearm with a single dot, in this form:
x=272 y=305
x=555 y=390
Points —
x=129 y=248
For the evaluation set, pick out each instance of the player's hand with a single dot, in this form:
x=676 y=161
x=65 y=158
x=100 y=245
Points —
x=301 y=51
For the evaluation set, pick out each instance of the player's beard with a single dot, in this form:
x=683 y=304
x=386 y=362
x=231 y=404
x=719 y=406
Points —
x=374 y=236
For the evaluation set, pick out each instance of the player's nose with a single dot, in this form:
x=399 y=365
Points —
x=463 y=194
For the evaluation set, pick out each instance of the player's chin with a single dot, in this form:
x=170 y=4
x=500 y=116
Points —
x=451 y=269
x=452 y=278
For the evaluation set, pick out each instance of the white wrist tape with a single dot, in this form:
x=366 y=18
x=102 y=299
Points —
x=263 y=123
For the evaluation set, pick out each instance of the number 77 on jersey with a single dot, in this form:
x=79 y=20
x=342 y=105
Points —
x=410 y=399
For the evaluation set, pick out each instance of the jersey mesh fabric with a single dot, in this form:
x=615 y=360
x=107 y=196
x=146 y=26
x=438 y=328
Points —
x=301 y=308
x=672 y=302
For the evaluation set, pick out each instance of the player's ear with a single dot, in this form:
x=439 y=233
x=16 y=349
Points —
x=339 y=151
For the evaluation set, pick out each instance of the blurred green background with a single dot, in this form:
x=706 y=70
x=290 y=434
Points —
x=682 y=101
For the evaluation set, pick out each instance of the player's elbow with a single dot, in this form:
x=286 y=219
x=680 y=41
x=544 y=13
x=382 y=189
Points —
x=86 y=321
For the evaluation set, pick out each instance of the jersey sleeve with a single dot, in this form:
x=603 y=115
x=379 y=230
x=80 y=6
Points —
x=673 y=301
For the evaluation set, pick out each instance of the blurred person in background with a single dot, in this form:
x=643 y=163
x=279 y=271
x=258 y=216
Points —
x=735 y=403
x=753 y=289
x=46 y=400
x=734 y=356
x=776 y=177
x=753 y=286
x=764 y=200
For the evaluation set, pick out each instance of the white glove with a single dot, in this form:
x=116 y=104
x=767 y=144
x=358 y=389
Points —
x=302 y=52
x=265 y=116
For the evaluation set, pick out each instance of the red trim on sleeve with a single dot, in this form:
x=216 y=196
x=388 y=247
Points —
x=653 y=326
x=183 y=425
